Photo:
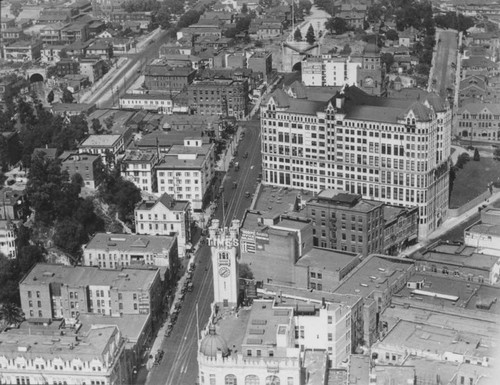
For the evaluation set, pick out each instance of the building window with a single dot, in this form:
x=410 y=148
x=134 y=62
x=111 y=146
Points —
x=272 y=380
x=230 y=379
x=252 y=379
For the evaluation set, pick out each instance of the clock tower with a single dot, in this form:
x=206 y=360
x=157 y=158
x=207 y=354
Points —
x=224 y=246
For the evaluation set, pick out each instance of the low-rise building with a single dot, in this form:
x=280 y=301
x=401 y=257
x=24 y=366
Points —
x=11 y=203
x=88 y=166
x=400 y=228
x=485 y=234
x=461 y=262
x=261 y=62
x=59 y=291
x=94 y=69
x=107 y=146
x=51 y=33
x=74 y=32
x=186 y=171
x=116 y=251
x=160 y=103
x=22 y=51
x=67 y=67
x=100 y=48
x=479 y=121
x=165 y=216
x=8 y=245
x=138 y=167
x=96 y=357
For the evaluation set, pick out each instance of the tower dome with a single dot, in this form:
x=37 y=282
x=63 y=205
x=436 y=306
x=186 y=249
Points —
x=213 y=343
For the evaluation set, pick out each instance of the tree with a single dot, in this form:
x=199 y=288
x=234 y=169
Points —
x=387 y=59
x=392 y=35
x=69 y=236
x=16 y=8
x=310 y=37
x=476 y=155
x=109 y=122
x=97 y=126
x=67 y=96
x=346 y=50
x=163 y=16
x=244 y=8
x=190 y=17
x=496 y=154
x=28 y=256
x=245 y=271
x=297 y=36
x=50 y=97
x=11 y=314
x=336 y=25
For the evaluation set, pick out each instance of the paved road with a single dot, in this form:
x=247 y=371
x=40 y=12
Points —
x=445 y=55
x=179 y=365
x=126 y=75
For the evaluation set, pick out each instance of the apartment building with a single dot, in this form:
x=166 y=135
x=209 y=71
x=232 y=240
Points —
x=262 y=62
x=400 y=228
x=186 y=171
x=116 y=251
x=347 y=222
x=165 y=216
x=225 y=97
x=138 y=167
x=8 y=246
x=58 y=291
x=107 y=146
x=159 y=76
x=330 y=70
x=392 y=150
x=51 y=33
x=22 y=51
x=96 y=357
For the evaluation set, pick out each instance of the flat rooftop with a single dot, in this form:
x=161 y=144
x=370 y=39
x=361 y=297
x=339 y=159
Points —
x=459 y=255
x=166 y=200
x=373 y=273
x=273 y=201
x=427 y=370
x=100 y=141
x=123 y=279
x=94 y=343
x=130 y=325
x=439 y=339
x=344 y=200
x=140 y=156
x=131 y=243
x=330 y=260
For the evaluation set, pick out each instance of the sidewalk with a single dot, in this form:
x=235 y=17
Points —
x=447 y=225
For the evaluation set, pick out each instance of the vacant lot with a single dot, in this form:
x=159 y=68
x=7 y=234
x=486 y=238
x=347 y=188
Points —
x=473 y=180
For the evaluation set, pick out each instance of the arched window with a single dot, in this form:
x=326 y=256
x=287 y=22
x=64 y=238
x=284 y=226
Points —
x=251 y=379
x=230 y=379
x=272 y=380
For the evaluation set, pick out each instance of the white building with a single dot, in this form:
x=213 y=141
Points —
x=186 y=171
x=165 y=216
x=331 y=71
x=114 y=251
x=138 y=167
x=391 y=150
x=107 y=146
x=7 y=239
x=160 y=103
x=95 y=358
x=485 y=234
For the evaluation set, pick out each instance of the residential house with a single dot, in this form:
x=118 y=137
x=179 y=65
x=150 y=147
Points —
x=94 y=69
x=165 y=216
x=11 y=203
x=101 y=49
x=74 y=32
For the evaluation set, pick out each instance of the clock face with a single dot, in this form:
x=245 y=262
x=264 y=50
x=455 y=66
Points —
x=224 y=272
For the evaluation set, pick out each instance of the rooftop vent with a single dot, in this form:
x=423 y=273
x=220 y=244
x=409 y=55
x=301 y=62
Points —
x=48 y=273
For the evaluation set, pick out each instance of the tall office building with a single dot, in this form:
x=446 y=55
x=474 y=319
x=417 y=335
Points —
x=392 y=150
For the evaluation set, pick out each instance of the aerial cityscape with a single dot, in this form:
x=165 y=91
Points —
x=243 y=192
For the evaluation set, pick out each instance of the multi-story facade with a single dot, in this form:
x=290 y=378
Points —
x=261 y=62
x=485 y=234
x=186 y=171
x=391 y=150
x=8 y=246
x=74 y=32
x=165 y=216
x=86 y=165
x=400 y=228
x=331 y=70
x=158 y=76
x=107 y=146
x=138 y=167
x=160 y=103
x=347 y=222
x=96 y=357
x=479 y=121
x=94 y=69
x=22 y=51
x=116 y=251
x=369 y=75
x=67 y=67
x=58 y=291
x=51 y=33
x=225 y=97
